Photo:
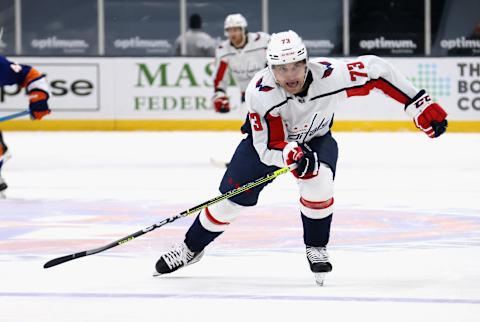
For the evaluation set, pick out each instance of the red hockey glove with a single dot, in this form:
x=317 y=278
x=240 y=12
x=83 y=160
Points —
x=38 y=95
x=220 y=102
x=305 y=158
x=427 y=115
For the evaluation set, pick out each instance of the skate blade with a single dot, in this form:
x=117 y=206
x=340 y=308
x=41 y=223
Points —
x=319 y=278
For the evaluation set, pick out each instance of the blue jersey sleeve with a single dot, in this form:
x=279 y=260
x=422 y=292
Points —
x=12 y=73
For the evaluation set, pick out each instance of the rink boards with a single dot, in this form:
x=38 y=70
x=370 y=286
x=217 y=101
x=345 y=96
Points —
x=99 y=93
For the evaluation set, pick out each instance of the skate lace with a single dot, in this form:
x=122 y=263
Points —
x=317 y=254
x=178 y=256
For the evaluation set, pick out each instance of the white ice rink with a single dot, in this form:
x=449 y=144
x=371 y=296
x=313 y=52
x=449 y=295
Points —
x=405 y=242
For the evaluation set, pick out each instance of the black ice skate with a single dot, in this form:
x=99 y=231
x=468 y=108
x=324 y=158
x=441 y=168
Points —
x=179 y=256
x=3 y=187
x=319 y=264
x=4 y=156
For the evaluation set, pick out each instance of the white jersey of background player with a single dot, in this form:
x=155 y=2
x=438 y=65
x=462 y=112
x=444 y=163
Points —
x=291 y=106
x=243 y=53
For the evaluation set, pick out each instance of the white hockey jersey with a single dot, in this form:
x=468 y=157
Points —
x=243 y=62
x=277 y=117
x=198 y=44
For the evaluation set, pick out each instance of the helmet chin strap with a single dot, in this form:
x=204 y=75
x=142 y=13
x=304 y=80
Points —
x=306 y=74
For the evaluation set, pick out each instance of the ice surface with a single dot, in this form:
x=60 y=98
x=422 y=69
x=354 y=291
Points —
x=405 y=241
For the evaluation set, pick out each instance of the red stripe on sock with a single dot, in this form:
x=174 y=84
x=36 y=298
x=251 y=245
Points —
x=316 y=204
x=212 y=219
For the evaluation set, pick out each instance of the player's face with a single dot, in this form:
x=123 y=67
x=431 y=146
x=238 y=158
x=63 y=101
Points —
x=236 y=35
x=291 y=76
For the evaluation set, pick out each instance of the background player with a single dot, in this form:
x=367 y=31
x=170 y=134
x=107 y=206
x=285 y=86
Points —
x=34 y=82
x=198 y=42
x=291 y=107
x=243 y=53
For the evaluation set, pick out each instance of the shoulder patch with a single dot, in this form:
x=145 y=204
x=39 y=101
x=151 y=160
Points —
x=258 y=37
x=262 y=88
x=329 y=68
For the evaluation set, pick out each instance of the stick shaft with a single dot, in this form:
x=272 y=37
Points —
x=14 y=115
x=227 y=195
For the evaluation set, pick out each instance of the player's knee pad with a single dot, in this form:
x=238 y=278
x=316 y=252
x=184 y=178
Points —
x=217 y=217
x=316 y=194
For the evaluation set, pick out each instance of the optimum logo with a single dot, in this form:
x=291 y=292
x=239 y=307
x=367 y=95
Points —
x=462 y=43
x=150 y=45
x=397 y=45
x=428 y=79
x=54 y=42
x=319 y=44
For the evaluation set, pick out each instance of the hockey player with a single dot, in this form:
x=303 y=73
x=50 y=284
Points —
x=243 y=53
x=37 y=89
x=291 y=107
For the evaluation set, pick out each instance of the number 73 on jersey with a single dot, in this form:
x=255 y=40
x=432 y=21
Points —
x=354 y=70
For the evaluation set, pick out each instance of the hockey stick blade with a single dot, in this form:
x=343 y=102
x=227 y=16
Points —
x=14 y=115
x=67 y=258
x=63 y=259
x=226 y=195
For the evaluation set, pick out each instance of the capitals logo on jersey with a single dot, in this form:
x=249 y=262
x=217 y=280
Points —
x=328 y=70
x=262 y=88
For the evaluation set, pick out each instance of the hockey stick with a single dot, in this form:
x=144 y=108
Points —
x=226 y=195
x=14 y=115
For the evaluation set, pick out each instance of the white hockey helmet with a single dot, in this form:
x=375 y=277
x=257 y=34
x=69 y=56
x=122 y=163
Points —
x=235 y=20
x=285 y=47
